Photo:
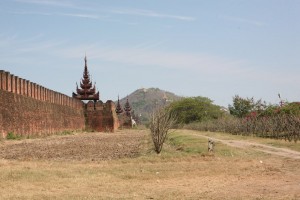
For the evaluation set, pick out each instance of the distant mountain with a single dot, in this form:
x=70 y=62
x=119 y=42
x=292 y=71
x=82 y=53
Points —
x=143 y=101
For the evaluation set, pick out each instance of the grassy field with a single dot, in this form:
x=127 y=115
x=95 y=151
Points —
x=184 y=170
x=272 y=142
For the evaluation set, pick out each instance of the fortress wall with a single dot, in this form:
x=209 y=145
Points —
x=27 y=108
x=112 y=109
x=101 y=116
x=124 y=120
x=16 y=85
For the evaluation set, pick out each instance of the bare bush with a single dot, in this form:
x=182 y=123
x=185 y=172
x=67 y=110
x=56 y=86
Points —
x=161 y=122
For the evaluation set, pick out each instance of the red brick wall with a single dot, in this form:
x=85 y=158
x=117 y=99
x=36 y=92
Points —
x=16 y=85
x=124 y=120
x=27 y=108
x=27 y=116
x=101 y=116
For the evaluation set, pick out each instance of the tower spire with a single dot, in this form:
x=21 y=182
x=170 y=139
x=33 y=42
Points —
x=127 y=107
x=87 y=91
x=119 y=109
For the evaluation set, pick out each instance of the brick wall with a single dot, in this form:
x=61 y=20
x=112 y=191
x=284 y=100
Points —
x=101 y=116
x=27 y=108
x=16 y=85
x=124 y=120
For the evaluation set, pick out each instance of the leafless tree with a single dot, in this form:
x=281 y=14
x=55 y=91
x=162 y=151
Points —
x=160 y=123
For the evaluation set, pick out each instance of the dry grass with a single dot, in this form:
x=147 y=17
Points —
x=181 y=171
x=272 y=142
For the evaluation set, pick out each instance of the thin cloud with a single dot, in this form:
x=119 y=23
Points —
x=47 y=2
x=147 y=55
x=149 y=13
x=42 y=46
x=205 y=65
x=35 y=44
x=211 y=68
x=79 y=15
x=105 y=18
x=136 y=12
x=242 y=20
x=144 y=55
x=30 y=13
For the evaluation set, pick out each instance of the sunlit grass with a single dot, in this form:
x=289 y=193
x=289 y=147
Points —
x=272 y=142
x=190 y=144
x=178 y=171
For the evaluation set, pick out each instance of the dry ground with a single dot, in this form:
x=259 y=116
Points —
x=280 y=151
x=120 y=166
x=85 y=146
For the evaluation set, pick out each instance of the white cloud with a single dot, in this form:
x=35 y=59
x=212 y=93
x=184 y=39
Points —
x=42 y=46
x=150 y=13
x=242 y=20
x=138 y=12
x=148 y=55
x=216 y=67
x=78 y=15
x=48 y=2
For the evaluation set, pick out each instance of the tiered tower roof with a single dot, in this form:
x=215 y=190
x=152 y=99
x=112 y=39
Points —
x=127 y=108
x=86 y=91
x=119 y=109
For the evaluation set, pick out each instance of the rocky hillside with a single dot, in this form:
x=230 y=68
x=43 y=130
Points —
x=143 y=101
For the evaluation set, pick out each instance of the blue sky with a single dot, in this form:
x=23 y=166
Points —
x=211 y=48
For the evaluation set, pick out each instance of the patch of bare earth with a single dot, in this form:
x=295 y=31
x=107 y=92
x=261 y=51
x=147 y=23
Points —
x=83 y=146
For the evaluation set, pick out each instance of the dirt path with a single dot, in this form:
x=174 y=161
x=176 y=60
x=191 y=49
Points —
x=257 y=146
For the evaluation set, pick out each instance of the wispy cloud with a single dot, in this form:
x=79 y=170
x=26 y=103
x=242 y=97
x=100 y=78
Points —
x=42 y=46
x=242 y=20
x=122 y=11
x=79 y=15
x=30 y=13
x=48 y=2
x=14 y=46
x=206 y=65
x=147 y=55
x=150 y=13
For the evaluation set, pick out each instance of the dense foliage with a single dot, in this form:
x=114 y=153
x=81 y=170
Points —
x=273 y=121
x=242 y=107
x=195 y=109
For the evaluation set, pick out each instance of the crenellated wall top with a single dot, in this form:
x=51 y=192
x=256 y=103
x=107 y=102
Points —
x=20 y=86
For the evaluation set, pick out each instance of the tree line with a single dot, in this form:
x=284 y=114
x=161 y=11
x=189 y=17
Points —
x=245 y=116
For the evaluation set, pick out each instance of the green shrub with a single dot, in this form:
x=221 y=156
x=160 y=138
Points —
x=195 y=109
x=12 y=136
